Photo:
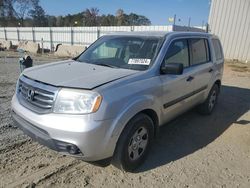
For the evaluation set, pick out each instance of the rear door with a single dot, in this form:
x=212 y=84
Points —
x=201 y=63
x=218 y=53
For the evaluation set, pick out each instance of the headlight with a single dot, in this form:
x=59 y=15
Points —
x=75 y=101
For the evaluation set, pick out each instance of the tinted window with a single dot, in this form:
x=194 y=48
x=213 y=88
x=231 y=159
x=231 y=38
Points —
x=199 y=51
x=178 y=53
x=217 y=49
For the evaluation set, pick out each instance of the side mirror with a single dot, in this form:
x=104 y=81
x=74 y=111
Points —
x=172 y=68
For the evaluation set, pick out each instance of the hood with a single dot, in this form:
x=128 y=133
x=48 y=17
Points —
x=76 y=74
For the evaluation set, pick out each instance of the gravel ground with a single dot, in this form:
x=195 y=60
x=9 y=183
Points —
x=191 y=151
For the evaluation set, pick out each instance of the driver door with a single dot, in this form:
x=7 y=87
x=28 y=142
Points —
x=176 y=89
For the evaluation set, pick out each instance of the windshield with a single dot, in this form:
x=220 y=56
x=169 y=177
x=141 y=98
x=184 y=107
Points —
x=136 y=53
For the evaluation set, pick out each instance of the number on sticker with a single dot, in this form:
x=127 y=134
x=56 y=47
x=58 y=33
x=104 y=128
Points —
x=139 y=61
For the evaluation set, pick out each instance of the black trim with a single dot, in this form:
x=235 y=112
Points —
x=208 y=49
x=189 y=53
x=166 y=105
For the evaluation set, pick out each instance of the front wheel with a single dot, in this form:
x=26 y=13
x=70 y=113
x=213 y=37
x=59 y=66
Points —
x=207 y=107
x=134 y=142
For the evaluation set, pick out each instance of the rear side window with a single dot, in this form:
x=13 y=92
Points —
x=178 y=53
x=199 y=51
x=217 y=49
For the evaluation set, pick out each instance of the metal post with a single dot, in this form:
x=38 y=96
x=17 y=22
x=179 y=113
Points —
x=51 y=39
x=42 y=44
x=72 y=36
x=174 y=19
x=207 y=28
x=33 y=35
x=5 y=33
x=98 y=33
x=18 y=34
x=132 y=28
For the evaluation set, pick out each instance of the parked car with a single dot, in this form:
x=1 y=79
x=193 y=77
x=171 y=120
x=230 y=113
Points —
x=111 y=100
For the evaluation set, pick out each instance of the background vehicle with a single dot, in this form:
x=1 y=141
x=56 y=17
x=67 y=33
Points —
x=112 y=99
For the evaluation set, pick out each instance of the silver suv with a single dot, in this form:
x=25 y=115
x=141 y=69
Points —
x=110 y=101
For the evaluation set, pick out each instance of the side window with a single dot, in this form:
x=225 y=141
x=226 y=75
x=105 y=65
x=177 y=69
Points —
x=178 y=53
x=217 y=49
x=199 y=51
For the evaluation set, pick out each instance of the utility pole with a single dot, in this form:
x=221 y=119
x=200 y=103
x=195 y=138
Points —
x=189 y=21
x=202 y=25
x=174 y=19
x=207 y=28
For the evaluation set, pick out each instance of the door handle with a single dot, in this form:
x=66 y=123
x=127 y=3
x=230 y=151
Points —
x=211 y=70
x=190 y=78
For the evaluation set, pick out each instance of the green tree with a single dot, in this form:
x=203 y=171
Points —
x=38 y=15
x=120 y=17
x=142 y=20
x=132 y=18
x=8 y=13
x=51 y=21
x=135 y=19
x=59 y=21
x=91 y=16
x=22 y=7
x=9 y=8
x=108 y=20
x=78 y=19
x=2 y=16
x=68 y=20
x=28 y=22
x=30 y=13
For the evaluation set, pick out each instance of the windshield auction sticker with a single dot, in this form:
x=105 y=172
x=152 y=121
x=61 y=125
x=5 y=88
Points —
x=139 y=61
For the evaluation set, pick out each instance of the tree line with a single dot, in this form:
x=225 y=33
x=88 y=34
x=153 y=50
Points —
x=29 y=13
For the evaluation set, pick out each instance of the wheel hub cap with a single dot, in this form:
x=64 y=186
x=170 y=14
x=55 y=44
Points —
x=212 y=100
x=138 y=143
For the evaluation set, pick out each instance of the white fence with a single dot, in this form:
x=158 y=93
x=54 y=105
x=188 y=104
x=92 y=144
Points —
x=51 y=36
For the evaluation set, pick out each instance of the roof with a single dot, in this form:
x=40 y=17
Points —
x=159 y=33
x=140 y=33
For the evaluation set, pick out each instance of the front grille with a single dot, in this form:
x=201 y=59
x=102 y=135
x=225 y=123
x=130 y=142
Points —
x=36 y=96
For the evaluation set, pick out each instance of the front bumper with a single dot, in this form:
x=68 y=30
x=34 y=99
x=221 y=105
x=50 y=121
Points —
x=43 y=137
x=77 y=135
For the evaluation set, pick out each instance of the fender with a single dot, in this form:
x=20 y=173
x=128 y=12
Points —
x=217 y=76
x=136 y=105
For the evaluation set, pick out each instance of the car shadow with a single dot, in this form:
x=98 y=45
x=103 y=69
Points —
x=191 y=131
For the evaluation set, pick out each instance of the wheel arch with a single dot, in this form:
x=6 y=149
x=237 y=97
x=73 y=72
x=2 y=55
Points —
x=153 y=115
x=218 y=83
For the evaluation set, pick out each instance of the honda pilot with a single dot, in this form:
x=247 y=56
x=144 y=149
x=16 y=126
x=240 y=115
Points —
x=111 y=100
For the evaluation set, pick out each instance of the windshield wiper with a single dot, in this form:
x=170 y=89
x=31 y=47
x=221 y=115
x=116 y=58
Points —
x=106 y=65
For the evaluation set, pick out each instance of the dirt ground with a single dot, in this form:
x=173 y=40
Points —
x=192 y=151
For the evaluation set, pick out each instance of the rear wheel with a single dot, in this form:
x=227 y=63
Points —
x=207 y=107
x=134 y=142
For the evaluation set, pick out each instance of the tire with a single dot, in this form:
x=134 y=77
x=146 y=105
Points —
x=134 y=143
x=207 y=107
